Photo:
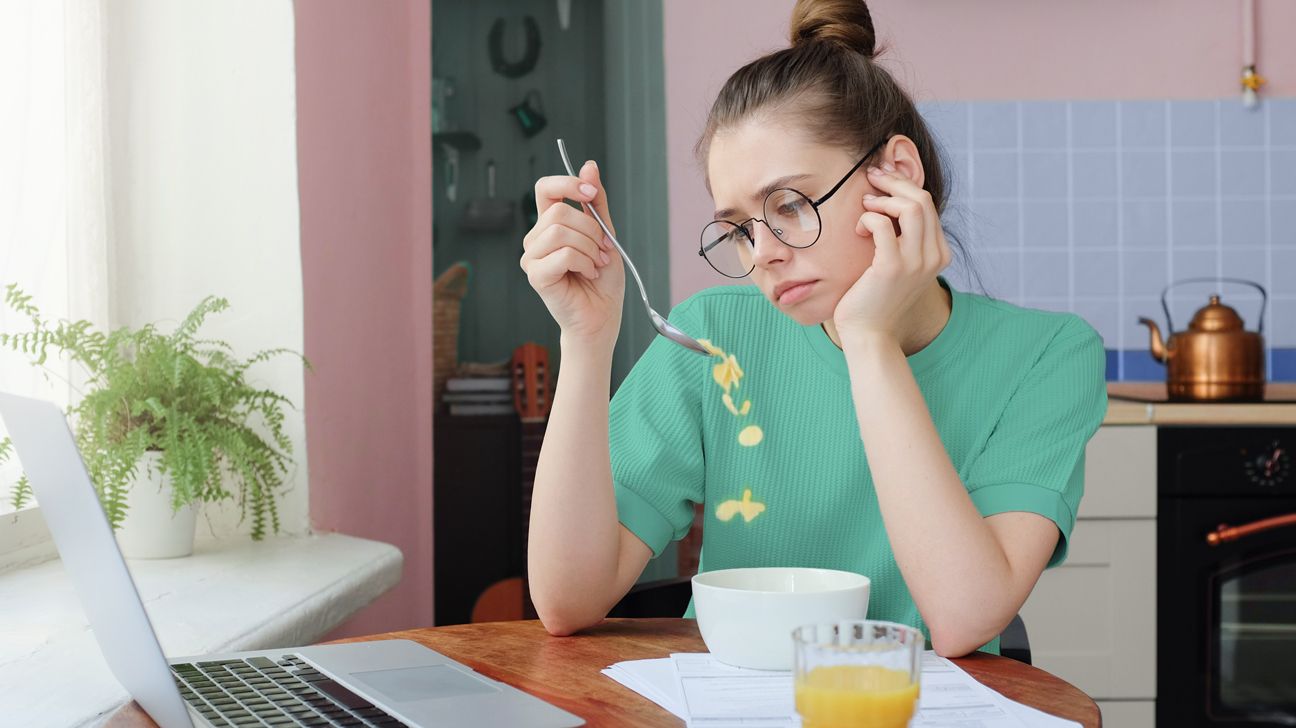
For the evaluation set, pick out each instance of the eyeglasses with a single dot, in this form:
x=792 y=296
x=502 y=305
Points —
x=792 y=216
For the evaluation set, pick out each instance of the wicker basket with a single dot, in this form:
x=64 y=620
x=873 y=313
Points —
x=447 y=296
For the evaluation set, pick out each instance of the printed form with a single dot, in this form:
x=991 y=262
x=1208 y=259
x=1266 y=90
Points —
x=707 y=693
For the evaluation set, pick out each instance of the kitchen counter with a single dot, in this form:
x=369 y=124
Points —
x=1125 y=408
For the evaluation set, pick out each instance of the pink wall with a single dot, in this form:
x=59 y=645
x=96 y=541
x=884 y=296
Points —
x=960 y=50
x=364 y=161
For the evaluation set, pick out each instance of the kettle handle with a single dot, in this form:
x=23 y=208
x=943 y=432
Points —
x=1264 y=298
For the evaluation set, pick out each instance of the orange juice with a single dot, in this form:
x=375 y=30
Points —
x=855 y=696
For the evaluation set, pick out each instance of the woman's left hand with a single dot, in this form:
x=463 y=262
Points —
x=906 y=258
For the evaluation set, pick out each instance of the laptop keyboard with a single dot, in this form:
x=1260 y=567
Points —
x=259 y=691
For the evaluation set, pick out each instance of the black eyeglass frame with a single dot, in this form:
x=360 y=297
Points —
x=703 y=248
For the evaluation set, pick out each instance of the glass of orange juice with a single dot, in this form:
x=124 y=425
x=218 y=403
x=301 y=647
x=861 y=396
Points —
x=857 y=673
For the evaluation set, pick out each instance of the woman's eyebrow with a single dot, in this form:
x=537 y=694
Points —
x=759 y=195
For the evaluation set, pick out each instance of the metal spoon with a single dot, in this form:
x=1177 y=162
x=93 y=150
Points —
x=664 y=327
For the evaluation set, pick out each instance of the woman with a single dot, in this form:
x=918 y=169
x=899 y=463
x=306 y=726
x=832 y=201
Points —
x=860 y=414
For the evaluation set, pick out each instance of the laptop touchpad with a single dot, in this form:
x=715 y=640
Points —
x=423 y=683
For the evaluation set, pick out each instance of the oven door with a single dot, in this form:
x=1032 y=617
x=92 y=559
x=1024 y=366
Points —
x=1226 y=640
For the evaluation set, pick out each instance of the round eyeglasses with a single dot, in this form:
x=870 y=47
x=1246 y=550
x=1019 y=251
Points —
x=792 y=216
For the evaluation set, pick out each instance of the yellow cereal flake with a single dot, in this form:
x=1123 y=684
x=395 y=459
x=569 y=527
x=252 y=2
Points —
x=715 y=350
x=751 y=436
x=748 y=508
x=727 y=373
x=729 y=404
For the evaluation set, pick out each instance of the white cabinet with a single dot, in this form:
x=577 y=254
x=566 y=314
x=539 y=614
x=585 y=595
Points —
x=1092 y=621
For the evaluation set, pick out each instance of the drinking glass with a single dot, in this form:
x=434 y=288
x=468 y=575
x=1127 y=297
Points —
x=858 y=673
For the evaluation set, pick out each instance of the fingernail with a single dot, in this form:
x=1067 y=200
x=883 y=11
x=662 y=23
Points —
x=874 y=171
x=607 y=242
x=888 y=167
x=588 y=190
x=606 y=258
x=870 y=197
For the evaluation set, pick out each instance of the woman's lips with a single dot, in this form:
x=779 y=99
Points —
x=796 y=293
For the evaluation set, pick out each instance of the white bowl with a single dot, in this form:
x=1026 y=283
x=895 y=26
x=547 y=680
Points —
x=746 y=616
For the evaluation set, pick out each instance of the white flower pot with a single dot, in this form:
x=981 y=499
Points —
x=151 y=530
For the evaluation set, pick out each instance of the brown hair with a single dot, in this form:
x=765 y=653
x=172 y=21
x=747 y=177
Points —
x=830 y=82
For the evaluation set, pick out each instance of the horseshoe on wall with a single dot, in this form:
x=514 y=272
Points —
x=514 y=69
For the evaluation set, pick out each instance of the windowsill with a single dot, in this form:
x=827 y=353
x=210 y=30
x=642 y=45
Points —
x=276 y=593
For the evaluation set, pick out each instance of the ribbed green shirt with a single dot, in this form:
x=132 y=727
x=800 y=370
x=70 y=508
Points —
x=765 y=436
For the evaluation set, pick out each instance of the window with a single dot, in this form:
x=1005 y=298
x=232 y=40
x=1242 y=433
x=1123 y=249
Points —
x=53 y=202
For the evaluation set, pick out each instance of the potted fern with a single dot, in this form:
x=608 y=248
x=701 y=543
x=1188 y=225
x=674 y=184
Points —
x=167 y=415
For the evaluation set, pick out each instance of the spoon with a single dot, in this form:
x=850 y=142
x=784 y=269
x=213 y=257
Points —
x=663 y=327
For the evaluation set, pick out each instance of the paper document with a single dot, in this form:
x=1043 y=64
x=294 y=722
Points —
x=707 y=693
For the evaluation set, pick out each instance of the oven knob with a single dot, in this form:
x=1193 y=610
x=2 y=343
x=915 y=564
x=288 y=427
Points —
x=1269 y=467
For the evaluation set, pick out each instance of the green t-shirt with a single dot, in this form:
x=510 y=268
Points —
x=767 y=438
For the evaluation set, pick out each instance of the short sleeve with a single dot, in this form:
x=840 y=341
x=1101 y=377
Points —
x=655 y=436
x=1033 y=460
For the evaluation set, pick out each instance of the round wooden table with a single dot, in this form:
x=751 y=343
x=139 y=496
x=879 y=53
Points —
x=565 y=670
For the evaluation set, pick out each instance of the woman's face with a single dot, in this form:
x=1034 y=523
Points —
x=748 y=160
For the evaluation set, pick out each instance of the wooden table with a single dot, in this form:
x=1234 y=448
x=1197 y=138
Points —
x=565 y=670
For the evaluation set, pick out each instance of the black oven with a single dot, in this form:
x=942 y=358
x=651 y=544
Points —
x=1226 y=576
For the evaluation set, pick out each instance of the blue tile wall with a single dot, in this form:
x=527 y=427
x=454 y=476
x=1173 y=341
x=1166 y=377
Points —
x=1096 y=206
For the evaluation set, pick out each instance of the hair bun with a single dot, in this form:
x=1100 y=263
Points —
x=844 y=22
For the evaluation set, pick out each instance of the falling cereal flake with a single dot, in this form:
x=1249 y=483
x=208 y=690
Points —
x=727 y=373
x=751 y=435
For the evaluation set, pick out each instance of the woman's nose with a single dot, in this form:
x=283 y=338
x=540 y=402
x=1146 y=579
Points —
x=769 y=249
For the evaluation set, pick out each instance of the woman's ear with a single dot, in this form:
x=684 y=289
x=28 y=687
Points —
x=902 y=153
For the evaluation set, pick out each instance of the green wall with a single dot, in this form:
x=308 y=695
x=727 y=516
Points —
x=601 y=84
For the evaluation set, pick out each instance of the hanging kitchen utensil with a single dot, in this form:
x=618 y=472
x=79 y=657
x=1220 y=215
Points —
x=451 y=173
x=450 y=143
x=530 y=114
x=1216 y=359
x=489 y=214
x=519 y=68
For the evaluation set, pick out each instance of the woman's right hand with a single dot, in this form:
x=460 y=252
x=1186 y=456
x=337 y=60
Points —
x=569 y=261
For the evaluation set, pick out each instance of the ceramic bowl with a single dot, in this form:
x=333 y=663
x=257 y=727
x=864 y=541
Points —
x=746 y=616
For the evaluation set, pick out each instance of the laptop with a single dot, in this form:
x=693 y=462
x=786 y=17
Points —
x=381 y=683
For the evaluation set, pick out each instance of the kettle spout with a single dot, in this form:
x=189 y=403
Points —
x=1159 y=350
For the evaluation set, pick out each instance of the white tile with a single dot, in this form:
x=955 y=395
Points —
x=1044 y=124
x=1046 y=273
x=1093 y=124
x=1143 y=173
x=1095 y=223
x=1145 y=272
x=1096 y=273
x=1143 y=123
x=1093 y=173
x=1144 y=223
x=994 y=175
x=1242 y=223
x=1044 y=174
x=1193 y=172
x=1193 y=223
x=994 y=125
x=1192 y=123
x=1242 y=172
x=997 y=224
x=1045 y=224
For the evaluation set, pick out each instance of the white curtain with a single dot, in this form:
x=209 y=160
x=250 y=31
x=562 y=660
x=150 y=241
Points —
x=54 y=200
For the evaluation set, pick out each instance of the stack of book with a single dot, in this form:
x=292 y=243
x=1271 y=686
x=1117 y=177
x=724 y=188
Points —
x=479 y=395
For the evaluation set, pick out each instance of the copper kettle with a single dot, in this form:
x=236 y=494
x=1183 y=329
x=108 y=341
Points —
x=1216 y=359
